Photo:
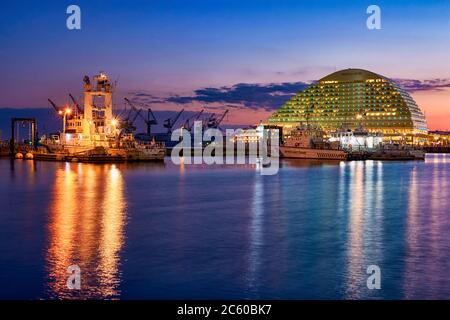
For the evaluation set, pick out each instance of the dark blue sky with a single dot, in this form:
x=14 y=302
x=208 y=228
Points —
x=176 y=46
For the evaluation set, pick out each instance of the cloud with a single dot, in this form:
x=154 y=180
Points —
x=254 y=96
x=413 y=85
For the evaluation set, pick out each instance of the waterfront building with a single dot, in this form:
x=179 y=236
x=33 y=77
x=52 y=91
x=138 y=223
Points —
x=354 y=98
x=251 y=135
x=439 y=138
x=357 y=140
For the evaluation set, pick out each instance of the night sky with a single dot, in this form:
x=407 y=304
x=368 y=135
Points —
x=247 y=55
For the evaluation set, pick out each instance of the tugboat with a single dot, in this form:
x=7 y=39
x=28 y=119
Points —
x=93 y=134
x=308 y=143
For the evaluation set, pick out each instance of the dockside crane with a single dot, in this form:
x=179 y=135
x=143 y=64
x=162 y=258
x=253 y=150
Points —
x=58 y=110
x=214 y=122
x=169 y=123
x=76 y=104
x=62 y=110
x=188 y=124
x=151 y=119
x=128 y=123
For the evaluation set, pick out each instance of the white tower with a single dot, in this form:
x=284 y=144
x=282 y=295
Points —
x=98 y=120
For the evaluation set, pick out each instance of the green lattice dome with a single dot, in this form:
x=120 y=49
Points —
x=350 y=98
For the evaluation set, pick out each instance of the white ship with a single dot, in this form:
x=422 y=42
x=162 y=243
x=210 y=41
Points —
x=357 y=140
x=310 y=144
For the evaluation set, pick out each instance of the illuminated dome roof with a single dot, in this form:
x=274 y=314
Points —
x=351 y=75
x=352 y=98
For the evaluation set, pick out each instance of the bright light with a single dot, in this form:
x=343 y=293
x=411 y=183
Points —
x=68 y=111
x=114 y=122
x=60 y=112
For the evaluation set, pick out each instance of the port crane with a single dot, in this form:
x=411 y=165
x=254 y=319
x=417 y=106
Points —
x=188 y=124
x=169 y=123
x=76 y=104
x=151 y=119
x=214 y=122
x=128 y=123
x=62 y=110
x=58 y=110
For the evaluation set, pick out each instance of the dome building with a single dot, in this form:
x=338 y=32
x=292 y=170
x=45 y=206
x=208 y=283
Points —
x=349 y=99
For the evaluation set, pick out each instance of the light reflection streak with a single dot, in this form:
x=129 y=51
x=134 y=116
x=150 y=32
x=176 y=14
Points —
x=86 y=229
x=373 y=232
x=355 y=245
x=427 y=226
x=412 y=236
x=111 y=239
x=256 y=238
x=62 y=229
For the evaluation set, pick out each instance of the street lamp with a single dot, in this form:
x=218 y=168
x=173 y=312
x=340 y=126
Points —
x=68 y=111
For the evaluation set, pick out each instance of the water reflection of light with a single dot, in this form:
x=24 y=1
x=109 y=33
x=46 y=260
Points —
x=62 y=228
x=427 y=236
x=437 y=158
x=342 y=191
x=365 y=189
x=86 y=229
x=256 y=239
x=182 y=168
x=355 y=244
x=111 y=239
x=412 y=235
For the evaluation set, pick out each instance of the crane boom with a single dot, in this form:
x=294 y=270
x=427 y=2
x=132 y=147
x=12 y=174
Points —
x=169 y=123
x=189 y=125
x=222 y=117
x=76 y=103
x=54 y=105
x=135 y=116
x=151 y=119
x=214 y=122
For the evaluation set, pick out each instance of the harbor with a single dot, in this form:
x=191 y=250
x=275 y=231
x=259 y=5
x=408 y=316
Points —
x=90 y=133
x=217 y=159
x=94 y=132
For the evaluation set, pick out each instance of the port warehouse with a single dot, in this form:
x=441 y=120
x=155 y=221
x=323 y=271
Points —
x=345 y=100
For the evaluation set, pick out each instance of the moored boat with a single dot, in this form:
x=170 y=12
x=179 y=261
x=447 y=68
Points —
x=307 y=143
x=93 y=134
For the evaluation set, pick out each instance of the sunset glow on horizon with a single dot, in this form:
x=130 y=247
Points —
x=168 y=52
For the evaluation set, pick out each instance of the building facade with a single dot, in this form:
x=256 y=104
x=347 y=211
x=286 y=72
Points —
x=350 y=99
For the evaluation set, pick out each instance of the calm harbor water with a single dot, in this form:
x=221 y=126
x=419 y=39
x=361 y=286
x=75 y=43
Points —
x=157 y=231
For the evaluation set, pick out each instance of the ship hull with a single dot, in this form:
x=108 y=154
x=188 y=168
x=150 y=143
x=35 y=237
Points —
x=305 y=153
x=108 y=155
x=140 y=154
